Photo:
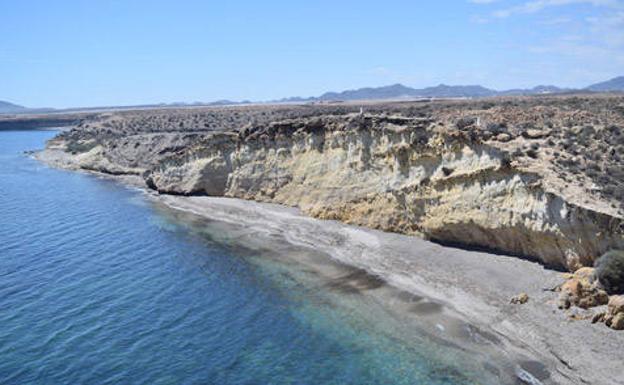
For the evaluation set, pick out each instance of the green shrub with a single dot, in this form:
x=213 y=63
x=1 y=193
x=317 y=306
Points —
x=465 y=122
x=610 y=271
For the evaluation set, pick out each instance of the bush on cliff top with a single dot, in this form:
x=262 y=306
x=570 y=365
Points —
x=75 y=147
x=610 y=271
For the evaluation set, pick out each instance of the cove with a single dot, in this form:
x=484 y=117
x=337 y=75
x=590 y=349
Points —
x=100 y=285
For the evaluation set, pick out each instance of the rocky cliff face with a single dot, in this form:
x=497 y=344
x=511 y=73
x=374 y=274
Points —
x=466 y=177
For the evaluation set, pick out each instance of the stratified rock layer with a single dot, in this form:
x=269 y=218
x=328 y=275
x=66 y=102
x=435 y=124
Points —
x=468 y=177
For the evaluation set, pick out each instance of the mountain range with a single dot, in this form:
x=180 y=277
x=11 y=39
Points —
x=395 y=91
x=399 y=91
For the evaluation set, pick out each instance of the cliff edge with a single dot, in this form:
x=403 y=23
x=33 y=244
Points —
x=539 y=177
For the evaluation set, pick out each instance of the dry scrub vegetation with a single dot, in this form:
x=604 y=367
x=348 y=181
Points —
x=576 y=141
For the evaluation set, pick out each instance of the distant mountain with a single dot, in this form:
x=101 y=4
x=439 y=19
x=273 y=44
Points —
x=399 y=91
x=548 y=89
x=386 y=92
x=296 y=99
x=10 y=108
x=538 y=90
x=394 y=91
x=444 y=91
x=225 y=102
x=615 y=84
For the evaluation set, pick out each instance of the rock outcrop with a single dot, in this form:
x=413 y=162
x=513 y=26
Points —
x=615 y=313
x=496 y=178
x=520 y=299
x=614 y=316
x=583 y=290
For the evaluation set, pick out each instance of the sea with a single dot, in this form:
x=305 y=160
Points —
x=101 y=284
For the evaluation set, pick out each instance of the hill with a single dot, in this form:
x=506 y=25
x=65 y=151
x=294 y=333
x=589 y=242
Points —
x=9 y=108
x=615 y=84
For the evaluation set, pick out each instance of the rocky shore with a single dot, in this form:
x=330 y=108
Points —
x=539 y=178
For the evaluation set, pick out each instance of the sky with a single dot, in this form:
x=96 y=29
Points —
x=73 y=53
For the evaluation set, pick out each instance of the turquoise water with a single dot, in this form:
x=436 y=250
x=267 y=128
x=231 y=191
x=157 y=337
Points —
x=99 y=285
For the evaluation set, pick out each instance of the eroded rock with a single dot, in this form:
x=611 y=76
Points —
x=583 y=290
x=511 y=178
x=614 y=317
x=520 y=299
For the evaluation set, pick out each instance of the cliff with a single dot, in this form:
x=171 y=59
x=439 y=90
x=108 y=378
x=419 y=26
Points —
x=535 y=177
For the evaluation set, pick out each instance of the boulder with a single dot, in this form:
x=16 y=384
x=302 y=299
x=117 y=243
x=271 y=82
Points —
x=615 y=313
x=582 y=290
x=535 y=134
x=599 y=317
x=520 y=299
x=617 y=323
x=616 y=304
x=586 y=273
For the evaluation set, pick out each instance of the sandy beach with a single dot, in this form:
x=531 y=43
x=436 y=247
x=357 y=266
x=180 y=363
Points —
x=471 y=286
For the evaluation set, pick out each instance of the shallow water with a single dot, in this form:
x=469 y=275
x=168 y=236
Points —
x=99 y=285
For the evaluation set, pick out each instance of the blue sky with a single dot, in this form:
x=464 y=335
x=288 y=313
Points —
x=89 y=53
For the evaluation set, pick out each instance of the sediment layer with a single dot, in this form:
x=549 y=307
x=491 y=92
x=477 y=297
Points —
x=537 y=177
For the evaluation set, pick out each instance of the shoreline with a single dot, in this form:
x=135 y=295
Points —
x=475 y=286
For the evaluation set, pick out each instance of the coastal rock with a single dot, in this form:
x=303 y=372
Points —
x=582 y=290
x=616 y=304
x=406 y=180
x=433 y=173
x=579 y=314
x=617 y=322
x=520 y=299
x=599 y=317
x=614 y=317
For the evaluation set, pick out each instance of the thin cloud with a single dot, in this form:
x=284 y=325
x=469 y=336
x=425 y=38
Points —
x=539 y=5
x=602 y=42
x=594 y=38
x=585 y=52
x=609 y=27
x=477 y=19
x=557 y=21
